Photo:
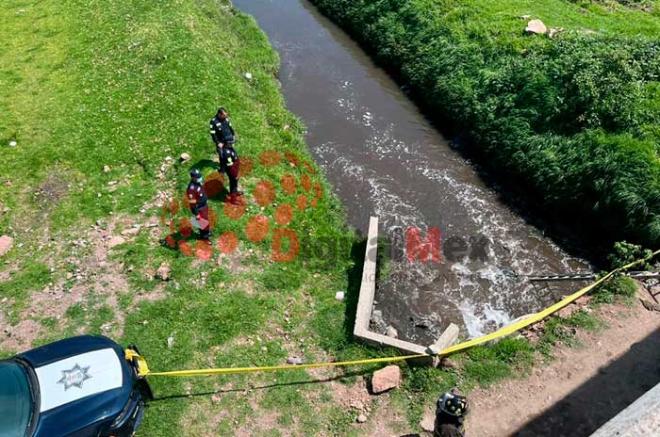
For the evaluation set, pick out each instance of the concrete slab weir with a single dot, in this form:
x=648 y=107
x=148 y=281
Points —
x=366 y=302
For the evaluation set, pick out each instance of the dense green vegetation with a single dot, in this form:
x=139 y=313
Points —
x=573 y=119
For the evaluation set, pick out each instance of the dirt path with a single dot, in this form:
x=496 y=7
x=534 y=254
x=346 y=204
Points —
x=583 y=387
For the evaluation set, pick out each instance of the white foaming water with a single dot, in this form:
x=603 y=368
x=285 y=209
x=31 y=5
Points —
x=390 y=207
x=367 y=118
x=479 y=322
x=385 y=145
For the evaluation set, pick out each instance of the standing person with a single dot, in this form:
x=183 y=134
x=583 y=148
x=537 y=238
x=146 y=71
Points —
x=222 y=132
x=230 y=164
x=198 y=202
x=450 y=413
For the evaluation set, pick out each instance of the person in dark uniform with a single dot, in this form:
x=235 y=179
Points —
x=230 y=164
x=450 y=413
x=198 y=202
x=222 y=131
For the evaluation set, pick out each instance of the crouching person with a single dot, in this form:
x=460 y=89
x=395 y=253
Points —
x=450 y=415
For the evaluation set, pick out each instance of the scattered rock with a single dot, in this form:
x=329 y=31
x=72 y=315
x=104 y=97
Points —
x=423 y=323
x=361 y=418
x=216 y=398
x=584 y=300
x=651 y=281
x=116 y=241
x=392 y=332
x=163 y=272
x=6 y=242
x=386 y=379
x=651 y=306
x=248 y=76
x=377 y=321
x=536 y=27
x=339 y=295
x=294 y=360
x=448 y=363
x=567 y=311
x=357 y=405
x=554 y=31
x=131 y=232
x=12 y=143
x=170 y=342
x=537 y=327
x=153 y=222
x=106 y=169
x=184 y=157
x=428 y=423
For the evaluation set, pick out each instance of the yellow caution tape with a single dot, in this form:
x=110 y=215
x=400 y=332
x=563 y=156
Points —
x=141 y=364
x=143 y=370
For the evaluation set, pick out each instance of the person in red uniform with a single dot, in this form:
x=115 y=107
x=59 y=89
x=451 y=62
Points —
x=198 y=202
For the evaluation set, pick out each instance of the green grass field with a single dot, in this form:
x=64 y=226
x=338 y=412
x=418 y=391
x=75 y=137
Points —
x=120 y=86
x=97 y=95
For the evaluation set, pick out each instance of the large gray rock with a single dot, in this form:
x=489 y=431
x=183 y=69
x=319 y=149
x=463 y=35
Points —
x=163 y=272
x=386 y=379
x=536 y=27
x=116 y=241
x=6 y=242
x=428 y=423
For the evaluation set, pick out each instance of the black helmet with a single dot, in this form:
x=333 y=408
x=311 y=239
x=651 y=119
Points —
x=195 y=173
x=221 y=109
x=453 y=404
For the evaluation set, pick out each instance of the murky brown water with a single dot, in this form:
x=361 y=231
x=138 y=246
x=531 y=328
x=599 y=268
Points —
x=384 y=158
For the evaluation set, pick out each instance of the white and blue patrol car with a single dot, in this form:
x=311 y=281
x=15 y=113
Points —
x=81 y=386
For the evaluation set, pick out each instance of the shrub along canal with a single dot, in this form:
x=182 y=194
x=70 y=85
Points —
x=384 y=158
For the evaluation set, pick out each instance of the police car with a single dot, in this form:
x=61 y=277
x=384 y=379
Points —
x=81 y=386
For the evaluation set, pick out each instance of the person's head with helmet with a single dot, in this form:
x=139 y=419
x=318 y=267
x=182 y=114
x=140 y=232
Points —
x=450 y=414
x=196 y=175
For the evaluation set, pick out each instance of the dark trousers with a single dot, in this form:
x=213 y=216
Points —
x=233 y=183
x=204 y=213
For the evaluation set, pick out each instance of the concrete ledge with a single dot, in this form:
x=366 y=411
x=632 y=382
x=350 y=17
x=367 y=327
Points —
x=366 y=303
x=641 y=418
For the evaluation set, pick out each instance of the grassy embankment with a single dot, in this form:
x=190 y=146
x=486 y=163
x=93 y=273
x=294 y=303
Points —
x=124 y=84
x=572 y=121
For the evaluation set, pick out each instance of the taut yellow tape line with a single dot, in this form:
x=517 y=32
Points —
x=502 y=332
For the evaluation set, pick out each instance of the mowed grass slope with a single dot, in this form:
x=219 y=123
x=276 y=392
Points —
x=571 y=122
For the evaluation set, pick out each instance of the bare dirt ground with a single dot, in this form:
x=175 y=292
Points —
x=95 y=274
x=582 y=387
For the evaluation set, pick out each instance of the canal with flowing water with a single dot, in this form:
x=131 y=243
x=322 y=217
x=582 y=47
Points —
x=384 y=158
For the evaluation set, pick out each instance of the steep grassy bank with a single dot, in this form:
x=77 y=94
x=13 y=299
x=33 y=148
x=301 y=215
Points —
x=573 y=122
